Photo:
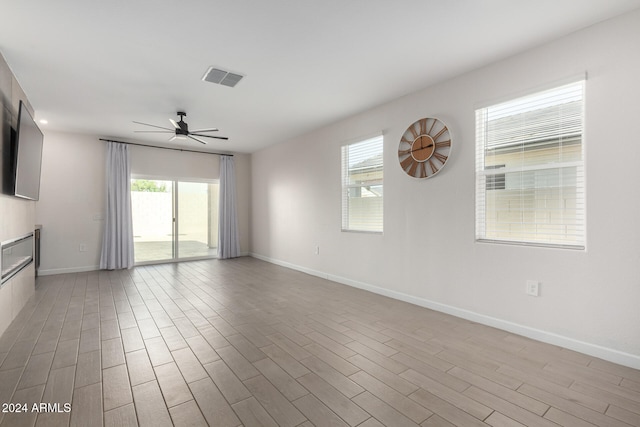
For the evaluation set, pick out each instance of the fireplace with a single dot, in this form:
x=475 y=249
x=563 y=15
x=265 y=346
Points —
x=16 y=254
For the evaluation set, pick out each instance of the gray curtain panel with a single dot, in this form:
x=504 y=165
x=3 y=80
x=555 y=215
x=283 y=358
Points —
x=117 y=241
x=228 y=235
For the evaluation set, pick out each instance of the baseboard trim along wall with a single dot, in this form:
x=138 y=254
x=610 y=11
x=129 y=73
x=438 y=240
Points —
x=612 y=355
x=52 y=271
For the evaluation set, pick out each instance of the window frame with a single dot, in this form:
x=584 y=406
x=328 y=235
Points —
x=176 y=254
x=347 y=224
x=485 y=174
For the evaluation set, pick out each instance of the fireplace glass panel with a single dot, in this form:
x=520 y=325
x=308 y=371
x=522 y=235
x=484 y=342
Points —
x=16 y=254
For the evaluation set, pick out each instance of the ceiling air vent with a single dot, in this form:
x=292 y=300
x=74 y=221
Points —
x=222 y=77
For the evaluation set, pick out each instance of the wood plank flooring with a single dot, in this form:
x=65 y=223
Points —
x=244 y=342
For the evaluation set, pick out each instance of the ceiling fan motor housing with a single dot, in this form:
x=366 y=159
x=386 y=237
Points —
x=184 y=128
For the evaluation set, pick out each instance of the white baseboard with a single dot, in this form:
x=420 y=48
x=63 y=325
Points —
x=595 y=350
x=291 y=266
x=52 y=271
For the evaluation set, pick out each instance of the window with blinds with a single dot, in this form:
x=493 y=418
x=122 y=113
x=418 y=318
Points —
x=362 y=173
x=530 y=180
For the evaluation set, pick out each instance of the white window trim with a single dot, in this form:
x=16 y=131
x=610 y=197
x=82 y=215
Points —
x=482 y=172
x=344 y=186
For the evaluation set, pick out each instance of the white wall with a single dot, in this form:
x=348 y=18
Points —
x=427 y=254
x=71 y=206
x=173 y=164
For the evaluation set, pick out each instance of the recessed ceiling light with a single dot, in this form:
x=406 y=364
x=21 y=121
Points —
x=44 y=121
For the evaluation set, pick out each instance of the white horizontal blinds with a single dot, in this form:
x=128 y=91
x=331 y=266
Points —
x=362 y=176
x=530 y=183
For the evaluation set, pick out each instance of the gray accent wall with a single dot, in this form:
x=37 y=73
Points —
x=17 y=216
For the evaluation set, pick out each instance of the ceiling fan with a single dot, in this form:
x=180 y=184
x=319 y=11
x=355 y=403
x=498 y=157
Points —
x=181 y=130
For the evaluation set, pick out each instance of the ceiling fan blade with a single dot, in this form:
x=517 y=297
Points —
x=147 y=124
x=154 y=131
x=205 y=130
x=197 y=139
x=174 y=123
x=209 y=136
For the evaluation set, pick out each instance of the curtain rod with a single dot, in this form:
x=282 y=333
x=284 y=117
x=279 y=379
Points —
x=166 y=148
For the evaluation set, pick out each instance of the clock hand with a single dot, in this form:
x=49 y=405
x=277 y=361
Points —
x=422 y=148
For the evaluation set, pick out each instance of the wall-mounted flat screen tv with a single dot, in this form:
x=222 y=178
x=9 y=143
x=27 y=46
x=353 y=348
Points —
x=28 y=156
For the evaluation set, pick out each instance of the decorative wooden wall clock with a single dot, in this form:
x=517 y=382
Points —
x=424 y=148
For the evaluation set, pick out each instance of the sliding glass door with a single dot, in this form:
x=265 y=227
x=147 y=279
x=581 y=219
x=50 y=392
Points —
x=152 y=212
x=174 y=220
x=197 y=219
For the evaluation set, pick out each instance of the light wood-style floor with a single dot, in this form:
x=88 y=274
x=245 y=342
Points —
x=244 y=342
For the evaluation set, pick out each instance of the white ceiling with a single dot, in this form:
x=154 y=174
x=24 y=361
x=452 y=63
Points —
x=94 y=66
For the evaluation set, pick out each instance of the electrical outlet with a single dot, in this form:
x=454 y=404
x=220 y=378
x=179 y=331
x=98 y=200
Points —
x=83 y=247
x=317 y=250
x=533 y=288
